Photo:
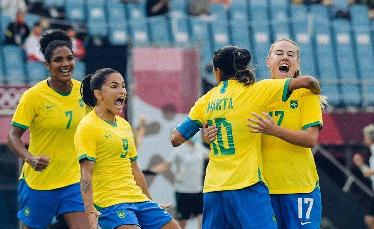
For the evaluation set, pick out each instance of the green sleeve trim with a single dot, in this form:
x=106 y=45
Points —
x=286 y=93
x=134 y=158
x=85 y=156
x=318 y=123
x=98 y=207
x=317 y=185
x=19 y=125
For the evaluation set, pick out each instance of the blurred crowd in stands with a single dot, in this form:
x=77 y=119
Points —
x=18 y=32
x=340 y=7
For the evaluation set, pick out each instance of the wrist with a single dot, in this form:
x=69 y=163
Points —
x=27 y=157
x=277 y=131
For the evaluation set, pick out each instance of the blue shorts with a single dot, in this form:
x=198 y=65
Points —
x=144 y=214
x=239 y=209
x=302 y=210
x=38 y=207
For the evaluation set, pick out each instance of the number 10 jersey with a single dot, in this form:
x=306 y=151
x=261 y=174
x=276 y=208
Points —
x=235 y=156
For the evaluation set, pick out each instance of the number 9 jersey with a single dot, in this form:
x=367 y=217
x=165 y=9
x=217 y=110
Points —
x=235 y=156
x=112 y=148
x=52 y=118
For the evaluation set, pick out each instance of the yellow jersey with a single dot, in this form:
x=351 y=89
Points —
x=235 y=157
x=52 y=119
x=112 y=148
x=289 y=168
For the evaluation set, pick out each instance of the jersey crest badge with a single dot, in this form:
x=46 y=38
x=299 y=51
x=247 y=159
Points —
x=294 y=104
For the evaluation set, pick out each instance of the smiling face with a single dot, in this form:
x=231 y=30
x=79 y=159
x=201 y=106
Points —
x=112 y=94
x=61 y=64
x=283 y=60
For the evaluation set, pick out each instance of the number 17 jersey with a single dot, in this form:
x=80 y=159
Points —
x=235 y=156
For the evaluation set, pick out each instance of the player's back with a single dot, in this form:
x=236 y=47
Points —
x=235 y=159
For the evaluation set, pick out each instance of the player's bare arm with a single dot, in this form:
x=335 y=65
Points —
x=92 y=214
x=265 y=124
x=308 y=82
x=38 y=163
x=177 y=138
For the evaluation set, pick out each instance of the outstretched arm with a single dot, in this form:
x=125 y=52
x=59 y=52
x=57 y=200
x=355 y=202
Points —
x=266 y=125
x=307 y=82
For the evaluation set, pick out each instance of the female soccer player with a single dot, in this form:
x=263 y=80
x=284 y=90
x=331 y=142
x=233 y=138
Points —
x=290 y=129
x=234 y=193
x=113 y=187
x=52 y=109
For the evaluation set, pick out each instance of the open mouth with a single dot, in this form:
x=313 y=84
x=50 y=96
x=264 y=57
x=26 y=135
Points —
x=284 y=68
x=120 y=102
x=65 y=72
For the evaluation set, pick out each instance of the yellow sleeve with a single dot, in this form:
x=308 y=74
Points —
x=85 y=141
x=197 y=111
x=133 y=155
x=26 y=111
x=272 y=90
x=311 y=111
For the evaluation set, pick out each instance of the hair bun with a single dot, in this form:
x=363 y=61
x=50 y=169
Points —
x=242 y=57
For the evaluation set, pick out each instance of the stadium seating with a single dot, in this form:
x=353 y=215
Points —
x=135 y=11
x=364 y=52
x=346 y=62
x=338 y=51
x=58 y=3
x=261 y=45
x=220 y=34
x=359 y=15
x=258 y=10
x=118 y=34
x=2 y=73
x=219 y=12
x=36 y=72
x=278 y=10
x=5 y=20
x=240 y=34
x=180 y=31
x=75 y=10
x=116 y=12
x=200 y=35
x=159 y=30
x=238 y=11
x=79 y=70
x=139 y=32
x=178 y=8
x=280 y=29
x=14 y=65
x=31 y=19
x=302 y=34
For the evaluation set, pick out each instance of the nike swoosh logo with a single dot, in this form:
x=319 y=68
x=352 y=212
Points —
x=304 y=223
x=49 y=106
x=108 y=135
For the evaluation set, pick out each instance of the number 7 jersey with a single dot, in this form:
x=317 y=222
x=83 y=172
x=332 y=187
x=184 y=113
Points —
x=52 y=119
x=235 y=156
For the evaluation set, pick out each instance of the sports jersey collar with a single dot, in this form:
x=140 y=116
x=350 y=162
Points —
x=61 y=93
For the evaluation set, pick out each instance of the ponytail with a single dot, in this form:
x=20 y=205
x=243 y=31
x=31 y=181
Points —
x=86 y=92
x=94 y=82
